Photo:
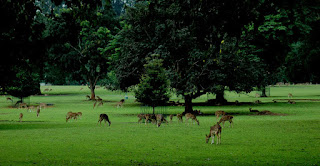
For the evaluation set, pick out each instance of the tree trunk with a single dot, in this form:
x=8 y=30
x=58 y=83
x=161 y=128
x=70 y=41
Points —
x=92 y=87
x=188 y=104
x=263 y=90
x=220 y=97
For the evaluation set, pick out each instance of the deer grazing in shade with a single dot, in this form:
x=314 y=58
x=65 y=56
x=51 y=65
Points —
x=226 y=118
x=214 y=131
x=192 y=116
x=20 y=117
x=105 y=118
x=179 y=116
x=251 y=110
x=218 y=113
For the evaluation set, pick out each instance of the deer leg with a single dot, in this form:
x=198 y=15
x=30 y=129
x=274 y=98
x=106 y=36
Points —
x=213 y=139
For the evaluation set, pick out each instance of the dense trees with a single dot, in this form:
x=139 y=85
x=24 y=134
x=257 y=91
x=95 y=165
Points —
x=206 y=46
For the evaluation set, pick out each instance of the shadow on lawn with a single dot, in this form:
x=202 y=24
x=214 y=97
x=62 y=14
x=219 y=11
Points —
x=25 y=125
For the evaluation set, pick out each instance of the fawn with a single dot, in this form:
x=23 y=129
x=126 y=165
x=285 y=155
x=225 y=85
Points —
x=105 y=118
x=218 y=113
x=226 y=118
x=214 y=131
x=192 y=116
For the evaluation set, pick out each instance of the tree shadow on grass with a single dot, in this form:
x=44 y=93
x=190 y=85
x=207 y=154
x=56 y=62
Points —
x=29 y=125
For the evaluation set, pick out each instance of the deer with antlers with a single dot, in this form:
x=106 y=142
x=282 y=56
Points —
x=214 y=131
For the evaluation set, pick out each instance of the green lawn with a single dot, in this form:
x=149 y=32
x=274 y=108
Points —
x=293 y=139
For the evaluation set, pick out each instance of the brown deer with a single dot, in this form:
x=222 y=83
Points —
x=226 y=118
x=179 y=116
x=290 y=95
x=71 y=115
x=160 y=118
x=151 y=117
x=120 y=103
x=79 y=114
x=23 y=105
x=291 y=102
x=30 y=108
x=192 y=116
x=251 y=110
x=218 y=113
x=214 y=131
x=141 y=116
x=38 y=112
x=105 y=118
x=20 y=117
x=44 y=105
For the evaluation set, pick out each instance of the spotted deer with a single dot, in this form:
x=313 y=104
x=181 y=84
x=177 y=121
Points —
x=226 y=118
x=105 y=118
x=120 y=103
x=71 y=115
x=23 y=105
x=179 y=116
x=218 y=113
x=214 y=131
x=38 y=112
x=192 y=116
x=171 y=116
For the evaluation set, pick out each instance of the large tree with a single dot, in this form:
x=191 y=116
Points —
x=190 y=36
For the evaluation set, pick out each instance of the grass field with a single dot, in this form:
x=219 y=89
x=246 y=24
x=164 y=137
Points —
x=293 y=139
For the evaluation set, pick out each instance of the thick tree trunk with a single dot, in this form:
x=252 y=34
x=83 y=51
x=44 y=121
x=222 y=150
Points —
x=92 y=87
x=220 y=97
x=263 y=90
x=188 y=104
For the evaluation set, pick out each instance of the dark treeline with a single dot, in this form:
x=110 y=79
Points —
x=205 y=46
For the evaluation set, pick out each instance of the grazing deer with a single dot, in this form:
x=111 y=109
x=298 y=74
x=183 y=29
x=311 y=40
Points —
x=218 y=113
x=192 y=116
x=160 y=118
x=38 y=112
x=226 y=118
x=23 y=105
x=179 y=116
x=9 y=98
x=214 y=131
x=71 y=115
x=105 y=118
x=20 y=117
x=251 y=110
x=151 y=117
x=44 y=105
x=290 y=95
x=141 y=116
x=119 y=104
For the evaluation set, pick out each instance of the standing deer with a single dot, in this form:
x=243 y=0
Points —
x=214 y=131
x=105 y=118
x=44 y=105
x=226 y=118
x=171 y=116
x=290 y=95
x=179 y=116
x=38 y=112
x=20 y=117
x=192 y=116
x=218 y=113
x=120 y=103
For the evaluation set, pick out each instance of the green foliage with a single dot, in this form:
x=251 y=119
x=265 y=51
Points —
x=153 y=87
